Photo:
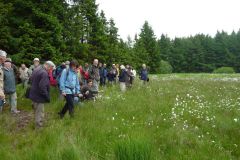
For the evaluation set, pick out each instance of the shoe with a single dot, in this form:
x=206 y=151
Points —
x=60 y=115
x=15 y=112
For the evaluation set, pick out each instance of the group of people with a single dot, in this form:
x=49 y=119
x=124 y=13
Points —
x=74 y=82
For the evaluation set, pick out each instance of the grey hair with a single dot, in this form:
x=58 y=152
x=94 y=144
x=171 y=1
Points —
x=3 y=53
x=50 y=64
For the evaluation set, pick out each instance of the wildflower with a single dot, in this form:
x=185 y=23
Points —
x=113 y=118
x=235 y=119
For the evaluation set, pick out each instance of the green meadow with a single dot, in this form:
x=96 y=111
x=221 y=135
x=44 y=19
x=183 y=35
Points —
x=176 y=116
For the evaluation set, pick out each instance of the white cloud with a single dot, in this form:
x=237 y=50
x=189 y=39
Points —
x=173 y=17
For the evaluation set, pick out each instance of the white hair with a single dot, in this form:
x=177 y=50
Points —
x=50 y=64
x=3 y=53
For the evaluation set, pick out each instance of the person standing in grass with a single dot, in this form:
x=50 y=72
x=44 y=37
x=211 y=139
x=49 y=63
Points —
x=103 y=74
x=3 y=56
x=69 y=85
x=36 y=63
x=10 y=86
x=113 y=74
x=24 y=76
x=85 y=73
x=123 y=78
x=144 y=74
x=94 y=75
x=40 y=90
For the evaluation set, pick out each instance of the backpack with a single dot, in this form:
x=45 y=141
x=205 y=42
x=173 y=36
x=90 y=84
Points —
x=57 y=73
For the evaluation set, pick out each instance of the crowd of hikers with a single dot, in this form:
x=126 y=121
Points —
x=75 y=82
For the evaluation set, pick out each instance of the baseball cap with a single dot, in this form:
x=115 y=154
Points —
x=36 y=59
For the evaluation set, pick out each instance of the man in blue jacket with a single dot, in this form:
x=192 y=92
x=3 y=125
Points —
x=69 y=86
x=144 y=74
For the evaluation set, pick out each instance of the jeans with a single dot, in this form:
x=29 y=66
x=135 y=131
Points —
x=103 y=81
x=39 y=113
x=25 y=83
x=12 y=100
x=95 y=86
x=69 y=105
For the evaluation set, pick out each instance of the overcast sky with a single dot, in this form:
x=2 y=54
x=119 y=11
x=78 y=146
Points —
x=176 y=18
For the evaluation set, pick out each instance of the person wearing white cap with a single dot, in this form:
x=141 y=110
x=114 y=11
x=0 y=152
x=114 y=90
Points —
x=3 y=56
x=123 y=78
x=36 y=63
x=39 y=91
x=144 y=74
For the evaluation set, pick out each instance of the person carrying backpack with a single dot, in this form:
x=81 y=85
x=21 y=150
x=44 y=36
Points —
x=58 y=71
x=70 y=87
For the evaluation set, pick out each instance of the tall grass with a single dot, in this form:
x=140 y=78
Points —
x=177 y=116
x=133 y=149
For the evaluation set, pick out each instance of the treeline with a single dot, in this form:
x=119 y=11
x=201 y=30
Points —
x=61 y=30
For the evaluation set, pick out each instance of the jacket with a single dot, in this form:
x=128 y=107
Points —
x=9 y=81
x=24 y=74
x=94 y=73
x=103 y=72
x=40 y=87
x=144 y=74
x=53 y=81
x=1 y=82
x=69 y=82
x=123 y=76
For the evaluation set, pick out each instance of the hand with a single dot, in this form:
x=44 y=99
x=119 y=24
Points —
x=64 y=94
x=80 y=95
x=2 y=96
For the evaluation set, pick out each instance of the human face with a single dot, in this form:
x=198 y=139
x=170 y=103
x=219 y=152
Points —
x=36 y=63
x=2 y=59
x=23 y=66
x=47 y=67
x=95 y=62
x=90 y=84
x=8 y=65
x=74 y=68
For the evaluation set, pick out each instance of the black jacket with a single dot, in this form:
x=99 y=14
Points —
x=40 y=87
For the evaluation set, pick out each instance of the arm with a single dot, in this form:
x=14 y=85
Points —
x=77 y=86
x=62 y=81
x=44 y=86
